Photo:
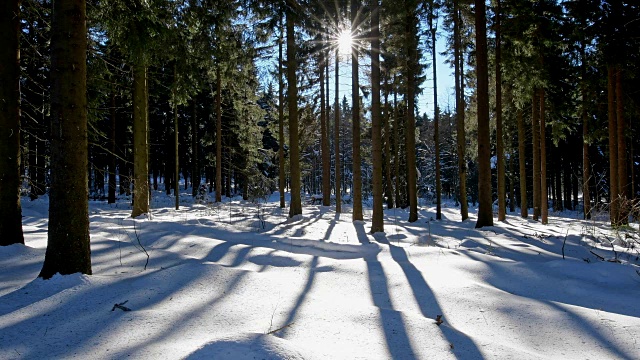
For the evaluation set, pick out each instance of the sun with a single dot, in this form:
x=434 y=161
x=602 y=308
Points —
x=345 y=41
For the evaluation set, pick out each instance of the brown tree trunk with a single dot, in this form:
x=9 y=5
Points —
x=218 y=135
x=336 y=137
x=68 y=249
x=623 y=183
x=396 y=147
x=544 y=203
x=324 y=141
x=10 y=210
x=176 y=153
x=535 y=135
x=485 y=211
x=502 y=211
x=195 y=173
x=524 y=211
x=281 y=173
x=292 y=92
x=387 y=145
x=613 y=147
x=411 y=23
x=377 y=221
x=436 y=119
x=460 y=132
x=140 y=140
x=356 y=194
x=586 y=166
x=112 y=145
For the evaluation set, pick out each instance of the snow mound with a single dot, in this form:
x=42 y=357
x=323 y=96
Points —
x=249 y=347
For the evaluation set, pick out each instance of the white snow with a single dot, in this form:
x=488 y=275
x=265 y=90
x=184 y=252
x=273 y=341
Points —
x=238 y=280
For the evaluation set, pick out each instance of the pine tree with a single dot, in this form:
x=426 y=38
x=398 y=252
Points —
x=355 y=97
x=68 y=249
x=292 y=92
x=485 y=211
x=377 y=221
x=10 y=132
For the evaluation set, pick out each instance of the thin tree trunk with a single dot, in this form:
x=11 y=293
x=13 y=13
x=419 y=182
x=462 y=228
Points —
x=460 y=132
x=292 y=92
x=10 y=209
x=623 y=184
x=140 y=140
x=485 y=211
x=336 y=140
x=112 y=145
x=535 y=131
x=176 y=153
x=544 y=211
x=68 y=249
x=396 y=146
x=512 y=196
x=436 y=120
x=281 y=173
x=387 y=143
x=613 y=147
x=524 y=211
x=411 y=120
x=502 y=216
x=195 y=173
x=218 y=135
x=355 y=123
x=324 y=141
x=586 y=166
x=377 y=221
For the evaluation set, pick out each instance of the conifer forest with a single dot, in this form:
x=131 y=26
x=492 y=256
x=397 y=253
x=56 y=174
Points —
x=152 y=135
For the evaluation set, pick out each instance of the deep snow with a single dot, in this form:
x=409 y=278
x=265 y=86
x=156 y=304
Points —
x=241 y=281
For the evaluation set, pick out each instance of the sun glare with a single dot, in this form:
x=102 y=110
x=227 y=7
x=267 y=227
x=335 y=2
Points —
x=344 y=42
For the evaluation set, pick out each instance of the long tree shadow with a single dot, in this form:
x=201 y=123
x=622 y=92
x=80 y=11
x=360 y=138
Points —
x=465 y=348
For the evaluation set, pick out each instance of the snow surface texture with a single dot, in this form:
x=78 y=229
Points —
x=241 y=281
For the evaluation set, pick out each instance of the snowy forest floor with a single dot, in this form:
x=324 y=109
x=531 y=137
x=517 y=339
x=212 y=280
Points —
x=239 y=280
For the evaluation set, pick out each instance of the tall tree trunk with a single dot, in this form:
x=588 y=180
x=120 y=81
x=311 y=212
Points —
x=355 y=119
x=485 y=211
x=140 y=140
x=512 y=196
x=324 y=140
x=68 y=249
x=502 y=211
x=336 y=112
x=10 y=210
x=112 y=146
x=377 y=221
x=460 y=134
x=535 y=136
x=387 y=140
x=176 y=144
x=613 y=147
x=292 y=92
x=412 y=59
x=396 y=146
x=281 y=173
x=524 y=211
x=195 y=173
x=436 y=118
x=544 y=200
x=623 y=184
x=218 y=135
x=586 y=166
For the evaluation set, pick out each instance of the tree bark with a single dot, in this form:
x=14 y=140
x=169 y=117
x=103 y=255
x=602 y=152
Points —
x=460 y=132
x=176 y=144
x=10 y=210
x=336 y=137
x=355 y=119
x=377 y=221
x=613 y=147
x=544 y=199
x=524 y=211
x=140 y=140
x=411 y=120
x=195 y=173
x=112 y=157
x=535 y=131
x=68 y=249
x=292 y=92
x=387 y=143
x=324 y=141
x=586 y=166
x=623 y=183
x=436 y=119
x=218 y=135
x=485 y=211
x=281 y=173
x=502 y=211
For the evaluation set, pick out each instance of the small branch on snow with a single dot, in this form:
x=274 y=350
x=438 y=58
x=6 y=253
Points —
x=564 y=242
x=439 y=320
x=121 y=306
x=598 y=256
x=280 y=328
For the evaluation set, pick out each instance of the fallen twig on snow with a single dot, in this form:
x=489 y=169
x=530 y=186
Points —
x=280 y=328
x=121 y=306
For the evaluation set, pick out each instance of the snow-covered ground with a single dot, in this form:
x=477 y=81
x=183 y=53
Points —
x=241 y=281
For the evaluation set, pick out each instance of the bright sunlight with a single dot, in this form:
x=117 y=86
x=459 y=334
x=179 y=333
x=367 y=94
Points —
x=344 y=42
